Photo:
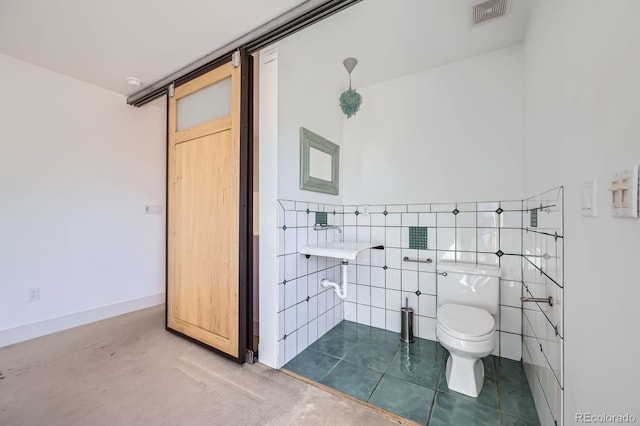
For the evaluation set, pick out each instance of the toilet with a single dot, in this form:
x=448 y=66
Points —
x=468 y=296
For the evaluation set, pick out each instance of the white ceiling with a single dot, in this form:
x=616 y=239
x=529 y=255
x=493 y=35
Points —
x=395 y=38
x=103 y=42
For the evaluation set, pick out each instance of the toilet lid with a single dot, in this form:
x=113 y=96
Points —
x=465 y=322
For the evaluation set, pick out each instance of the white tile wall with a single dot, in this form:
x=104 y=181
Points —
x=475 y=234
x=380 y=281
x=306 y=310
x=543 y=331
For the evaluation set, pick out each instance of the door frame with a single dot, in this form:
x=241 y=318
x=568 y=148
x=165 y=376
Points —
x=245 y=231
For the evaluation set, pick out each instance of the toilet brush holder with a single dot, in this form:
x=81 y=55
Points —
x=406 y=327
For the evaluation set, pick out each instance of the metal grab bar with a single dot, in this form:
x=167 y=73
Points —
x=408 y=259
x=548 y=300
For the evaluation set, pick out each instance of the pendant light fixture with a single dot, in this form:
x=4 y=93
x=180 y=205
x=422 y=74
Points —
x=350 y=100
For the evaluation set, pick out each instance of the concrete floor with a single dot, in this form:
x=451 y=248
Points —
x=128 y=370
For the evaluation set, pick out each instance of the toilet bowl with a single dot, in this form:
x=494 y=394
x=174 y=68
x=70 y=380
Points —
x=469 y=334
x=465 y=326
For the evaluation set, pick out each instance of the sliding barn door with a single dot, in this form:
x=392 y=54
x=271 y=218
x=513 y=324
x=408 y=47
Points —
x=204 y=210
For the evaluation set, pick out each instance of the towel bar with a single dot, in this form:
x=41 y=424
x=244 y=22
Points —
x=548 y=300
x=408 y=259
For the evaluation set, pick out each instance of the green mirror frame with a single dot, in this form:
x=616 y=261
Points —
x=309 y=140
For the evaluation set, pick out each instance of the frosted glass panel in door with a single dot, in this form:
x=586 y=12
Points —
x=205 y=105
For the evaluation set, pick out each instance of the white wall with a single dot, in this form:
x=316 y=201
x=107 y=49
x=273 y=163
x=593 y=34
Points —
x=77 y=167
x=268 y=174
x=582 y=103
x=451 y=133
x=308 y=94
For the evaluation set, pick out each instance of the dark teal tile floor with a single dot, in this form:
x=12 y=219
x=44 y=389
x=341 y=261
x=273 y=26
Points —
x=373 y=365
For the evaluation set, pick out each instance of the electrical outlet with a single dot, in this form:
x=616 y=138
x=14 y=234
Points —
x=34 y=295
x=154 y=209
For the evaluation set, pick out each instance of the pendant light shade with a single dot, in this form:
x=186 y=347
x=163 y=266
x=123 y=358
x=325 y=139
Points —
x=350 y=100
x=350 y=64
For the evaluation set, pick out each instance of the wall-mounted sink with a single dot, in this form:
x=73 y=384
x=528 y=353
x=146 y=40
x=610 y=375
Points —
x=343 y=250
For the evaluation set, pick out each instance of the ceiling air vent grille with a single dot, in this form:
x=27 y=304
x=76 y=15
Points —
x=488 y=10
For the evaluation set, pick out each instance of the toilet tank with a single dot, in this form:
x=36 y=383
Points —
x=469 y=284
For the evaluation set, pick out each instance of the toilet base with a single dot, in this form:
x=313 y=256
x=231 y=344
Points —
x=465 y=375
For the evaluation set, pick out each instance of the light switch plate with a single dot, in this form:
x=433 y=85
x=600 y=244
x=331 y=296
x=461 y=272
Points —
x=624 y=193
x=589 y=198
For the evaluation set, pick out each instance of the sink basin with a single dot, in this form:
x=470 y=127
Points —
x=344 y=250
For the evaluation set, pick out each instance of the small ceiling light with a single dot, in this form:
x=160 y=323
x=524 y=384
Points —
x=134 y=82
x=350 y=100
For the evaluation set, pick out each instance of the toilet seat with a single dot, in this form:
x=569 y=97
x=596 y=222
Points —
x=468 y=333
x=466 y=322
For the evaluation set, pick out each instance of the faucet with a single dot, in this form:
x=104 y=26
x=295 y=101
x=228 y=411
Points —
x=324 y=227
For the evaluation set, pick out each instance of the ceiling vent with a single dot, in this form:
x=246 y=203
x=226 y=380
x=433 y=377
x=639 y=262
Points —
x=488 y=10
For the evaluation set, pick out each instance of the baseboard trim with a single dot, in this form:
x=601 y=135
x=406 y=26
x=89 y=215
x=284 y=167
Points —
x=21 y=333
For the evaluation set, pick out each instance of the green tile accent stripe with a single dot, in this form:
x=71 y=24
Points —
x=534 y=218
x=321 y=218
x=418 y=237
